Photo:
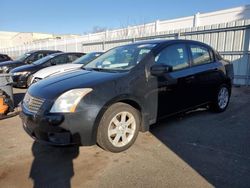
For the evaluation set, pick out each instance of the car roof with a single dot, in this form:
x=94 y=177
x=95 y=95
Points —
x=164 y=41
x=34 y=51
x=61 y=53
x=73 y=53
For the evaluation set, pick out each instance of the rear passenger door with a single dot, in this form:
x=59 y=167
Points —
x=206 y=72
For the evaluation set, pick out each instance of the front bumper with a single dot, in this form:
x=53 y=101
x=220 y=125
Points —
x=58 y=129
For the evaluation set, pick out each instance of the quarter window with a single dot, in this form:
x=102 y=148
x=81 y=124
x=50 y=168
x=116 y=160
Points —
x=175 y=55
x=200 y=55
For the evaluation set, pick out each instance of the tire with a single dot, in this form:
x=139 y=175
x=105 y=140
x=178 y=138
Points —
x=221 y=99
x=111 y=131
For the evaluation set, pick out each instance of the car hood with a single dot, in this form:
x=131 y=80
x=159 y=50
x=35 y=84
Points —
x=55 y=70
x=53 y=87
x=11 y=63
x=23 y=68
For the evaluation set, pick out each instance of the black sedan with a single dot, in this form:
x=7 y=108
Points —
x=22 y=73
x=24 y=59
x=124 y=91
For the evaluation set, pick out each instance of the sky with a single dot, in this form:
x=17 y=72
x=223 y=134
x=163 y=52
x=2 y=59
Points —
x=82 y=16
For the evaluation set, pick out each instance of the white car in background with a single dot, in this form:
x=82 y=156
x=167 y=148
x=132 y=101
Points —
x=59 y=69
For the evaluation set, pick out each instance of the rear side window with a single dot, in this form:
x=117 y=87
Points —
x=175 y=55
x=200 y=55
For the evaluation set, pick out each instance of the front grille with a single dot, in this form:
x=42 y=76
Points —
x=33 y=104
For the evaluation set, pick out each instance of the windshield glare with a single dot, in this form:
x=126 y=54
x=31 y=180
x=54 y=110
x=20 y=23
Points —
x=43 y=60
x=86 y=58
x=23 y=57
x=121 y=58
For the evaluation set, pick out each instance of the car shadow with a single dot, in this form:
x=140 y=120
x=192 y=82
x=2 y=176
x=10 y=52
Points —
x=52 y=166
x=214 y=145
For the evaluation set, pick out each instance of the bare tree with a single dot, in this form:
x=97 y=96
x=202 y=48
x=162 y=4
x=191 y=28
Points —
x=98 y=29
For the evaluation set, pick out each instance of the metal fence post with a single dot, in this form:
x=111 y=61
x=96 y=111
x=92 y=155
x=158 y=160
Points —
x=196 y=20
x=65 y=44
x=76 y=49
x=103 y=45
x=157 y=24
x=247 y=54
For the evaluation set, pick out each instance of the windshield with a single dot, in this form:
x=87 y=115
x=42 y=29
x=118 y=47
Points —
x=121 y=58
x=87 y=58
x=43 y=60
x=23 y=57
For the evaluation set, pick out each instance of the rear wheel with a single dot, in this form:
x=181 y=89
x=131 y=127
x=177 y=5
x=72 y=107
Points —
x=118 y=128
x=221 y=100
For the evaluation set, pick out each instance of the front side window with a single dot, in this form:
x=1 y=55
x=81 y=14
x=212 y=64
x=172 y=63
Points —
x=200 y=55
x=175 y=56
x=122 y=58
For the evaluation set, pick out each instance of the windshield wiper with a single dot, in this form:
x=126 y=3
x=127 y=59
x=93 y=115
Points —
x=93 y=69
x=100 y=69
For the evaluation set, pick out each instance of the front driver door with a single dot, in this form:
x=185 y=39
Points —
x=175 y=88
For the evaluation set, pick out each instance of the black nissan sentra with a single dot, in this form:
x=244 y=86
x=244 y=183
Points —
x=124 y=91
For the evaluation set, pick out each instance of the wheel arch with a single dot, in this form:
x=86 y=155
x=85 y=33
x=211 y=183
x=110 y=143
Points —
x=127 y=99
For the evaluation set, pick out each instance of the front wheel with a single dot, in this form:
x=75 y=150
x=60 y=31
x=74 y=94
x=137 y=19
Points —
x=118 y=128
x=221 y=100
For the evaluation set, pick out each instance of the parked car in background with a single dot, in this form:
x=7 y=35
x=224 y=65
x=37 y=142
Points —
x=24 y=59
x=21 y=74
x=59 y=69
x=4 y=57
x=124 y=91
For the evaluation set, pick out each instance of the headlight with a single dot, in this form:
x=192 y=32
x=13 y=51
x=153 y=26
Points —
x=4 y=68
x=20 y=73
x=69 y=100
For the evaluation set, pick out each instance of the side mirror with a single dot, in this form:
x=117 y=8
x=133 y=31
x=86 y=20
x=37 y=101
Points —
x=29 y=62
x=160 y=69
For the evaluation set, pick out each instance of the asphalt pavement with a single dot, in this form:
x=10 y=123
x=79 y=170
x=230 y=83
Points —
x=197 y=149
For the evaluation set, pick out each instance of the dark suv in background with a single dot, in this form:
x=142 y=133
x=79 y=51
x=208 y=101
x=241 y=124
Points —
x=124 y=91
x=24 y=59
